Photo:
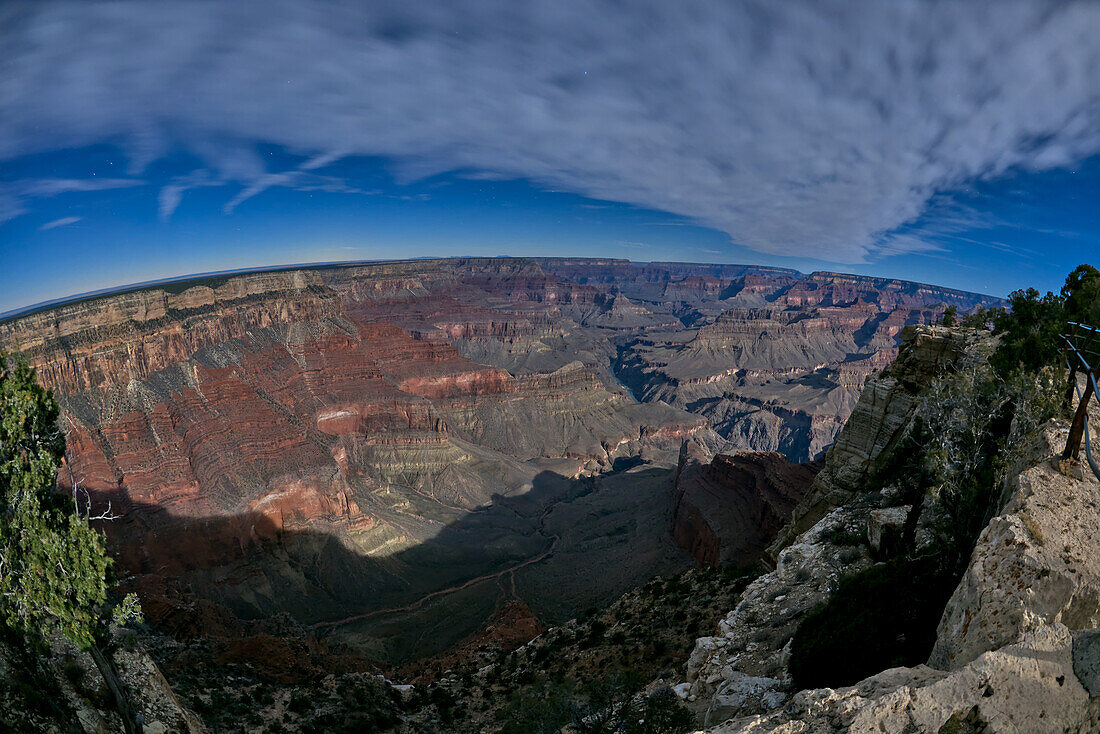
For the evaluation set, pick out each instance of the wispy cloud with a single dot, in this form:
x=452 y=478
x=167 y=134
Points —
x=300 y=180
x=62 y=222
x=800 y=128
x=55 y=186
x=16 y=195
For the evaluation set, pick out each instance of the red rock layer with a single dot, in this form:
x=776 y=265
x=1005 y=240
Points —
x=376 y=403
x=731 y=508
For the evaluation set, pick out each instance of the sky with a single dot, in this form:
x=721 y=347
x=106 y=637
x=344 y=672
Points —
x=956 y=143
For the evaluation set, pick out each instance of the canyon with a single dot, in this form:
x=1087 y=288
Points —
x=394 y=456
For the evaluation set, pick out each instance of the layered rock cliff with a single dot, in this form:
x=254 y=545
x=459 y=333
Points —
x=783 y=371
x=1015 y=648
x=61 y=689
x=343 y=443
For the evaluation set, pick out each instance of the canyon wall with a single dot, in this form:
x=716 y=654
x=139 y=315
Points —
x=337 y=443
x=730 y=509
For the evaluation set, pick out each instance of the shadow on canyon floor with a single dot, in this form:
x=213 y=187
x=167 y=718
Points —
x=561 y=547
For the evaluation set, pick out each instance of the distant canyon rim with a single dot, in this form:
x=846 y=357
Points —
x=390 y=454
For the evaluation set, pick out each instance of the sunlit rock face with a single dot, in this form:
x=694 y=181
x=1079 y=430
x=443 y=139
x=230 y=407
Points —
x=338 y=442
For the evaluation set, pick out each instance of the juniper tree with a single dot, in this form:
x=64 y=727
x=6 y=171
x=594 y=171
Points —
x=1082 y=295
x=53 y=564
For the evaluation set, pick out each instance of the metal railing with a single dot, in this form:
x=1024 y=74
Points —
x=1078 y=351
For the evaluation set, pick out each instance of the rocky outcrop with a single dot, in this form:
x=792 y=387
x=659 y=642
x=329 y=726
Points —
x=1035 y=563
x=872 y=436
x=827 y=536
x=1016 y=646
x=730 y=508
x=63 y=690
x=743 y=668
x=1029 y=685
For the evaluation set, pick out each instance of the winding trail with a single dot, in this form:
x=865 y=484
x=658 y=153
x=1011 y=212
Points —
x=591 y=485
x=442 y=592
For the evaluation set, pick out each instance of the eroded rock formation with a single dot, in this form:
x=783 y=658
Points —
x=1015 y=647
x=260 y=435
x=730 y=509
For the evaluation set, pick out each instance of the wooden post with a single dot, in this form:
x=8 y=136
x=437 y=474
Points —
x=1067 y=401
x=1077 y=428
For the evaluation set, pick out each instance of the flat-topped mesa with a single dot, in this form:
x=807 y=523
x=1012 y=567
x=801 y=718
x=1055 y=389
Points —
x=759 y=286
x=693 y=286
x=763 y=338
x=496 y=328
x=823 y=287
x=114 y=339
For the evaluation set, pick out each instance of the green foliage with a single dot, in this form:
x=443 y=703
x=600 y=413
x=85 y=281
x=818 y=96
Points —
x=880 y=618
x=128 y=611
x=1030 y=329
x=843 y=535
x=31 y=445
x=980 y=317
x=543 y=708
x=610 y=704
x=53 y=564
x=1081 y=295
x=662 y=713
x=950 y=316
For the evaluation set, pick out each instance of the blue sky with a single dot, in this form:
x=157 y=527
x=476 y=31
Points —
x=144 y=141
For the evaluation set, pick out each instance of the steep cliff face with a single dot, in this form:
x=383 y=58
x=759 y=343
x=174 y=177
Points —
x=62 y=690
x=880 y=420
x=744 y=669
x=1015 y=648
x=1035 y=564
x=731 y=508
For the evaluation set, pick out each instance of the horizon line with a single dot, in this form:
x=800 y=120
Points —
x=34 y=308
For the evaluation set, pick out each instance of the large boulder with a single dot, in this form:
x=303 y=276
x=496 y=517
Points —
x=1038 y=562
x=1028 y=686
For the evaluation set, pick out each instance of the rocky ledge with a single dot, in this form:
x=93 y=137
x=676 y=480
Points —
x=1017 y=647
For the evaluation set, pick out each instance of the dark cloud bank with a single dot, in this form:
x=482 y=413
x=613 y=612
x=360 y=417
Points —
x=798 y=128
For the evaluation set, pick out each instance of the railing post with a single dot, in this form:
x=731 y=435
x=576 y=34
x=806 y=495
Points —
x=1067 y=401
x=1077 y=428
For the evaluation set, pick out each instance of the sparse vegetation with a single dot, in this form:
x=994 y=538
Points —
x=591 y=672
x=950 y=316
x=972 y=426
x=1029 y=329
